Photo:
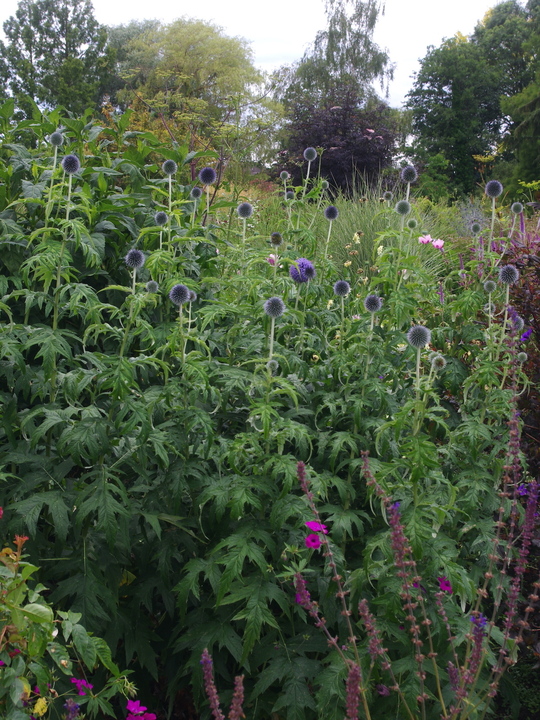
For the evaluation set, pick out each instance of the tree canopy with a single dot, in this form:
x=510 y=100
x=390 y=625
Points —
x=56 y=54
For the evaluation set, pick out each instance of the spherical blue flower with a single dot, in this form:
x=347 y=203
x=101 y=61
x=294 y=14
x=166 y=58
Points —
x=403 y=208
x=56 y=139
x=303 y=271
x=71 y=164
x=310 y=154
x=342 y=288
x=331 y=212
x=387 y=195
x=134 y=259
x=508 y=275
x=289 y=195
x=245 y=210
x=179 y=294
x=419 y=336
x=169 y=167
x=493 y=189
x=274 y=307
x=160 y=218
x=152 y=286
x=409 y=174
x=373 y=303
x=195 y=193
x=489 y=286
x=208 y=176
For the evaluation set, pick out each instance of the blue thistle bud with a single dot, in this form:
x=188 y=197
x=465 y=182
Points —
x=387 y=195
x=373 y=303
x=71 y=164
x=56 y=139
x=325 y=184
x=522 y=357
x=179 y=294
x=475 y=228
x=508 y=275
x=245 y=210
x=284 y=175
x=412 y=224
x=135 y=259
x=310 y=154
x=342 y=288
x=493 y=189
x=276 y=238
x=152 y=286
x=419 y=336
x=274 y=307
x=192 y=296
x=331 y=212
x=489 y=286
x=195 y=193
x=438 y=362
x=160 y=218
x=516 y=208
x=169 y=167
x=409 y=174
x=273 y=366
x=289 y=195
x=208 y=176
x=403 y=208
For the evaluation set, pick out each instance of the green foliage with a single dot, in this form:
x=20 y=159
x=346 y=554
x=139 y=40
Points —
x=149 y=451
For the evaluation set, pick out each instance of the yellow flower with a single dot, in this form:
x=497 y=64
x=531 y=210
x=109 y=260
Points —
x=348 y=263
x=40 y=708
x=329 y=304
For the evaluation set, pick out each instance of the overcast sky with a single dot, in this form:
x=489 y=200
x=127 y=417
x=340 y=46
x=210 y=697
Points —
x=280 y=30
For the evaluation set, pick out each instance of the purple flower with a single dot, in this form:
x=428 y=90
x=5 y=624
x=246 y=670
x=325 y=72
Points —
x=444 y=584
x=526 y=335
x=312 y=541
x=302 y=271
x=81 y=684
x=316 y=526
x=382 y=690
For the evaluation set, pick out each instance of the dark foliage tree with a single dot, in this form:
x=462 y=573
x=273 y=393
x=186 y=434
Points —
x=56 y=54
x=357 y=139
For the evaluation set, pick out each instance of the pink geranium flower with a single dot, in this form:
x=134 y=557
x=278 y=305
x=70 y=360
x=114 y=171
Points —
x=439 y=244
x=316 y=526
x=444 y=584
x=81 y=685
x=425 y=239
x=313 y=541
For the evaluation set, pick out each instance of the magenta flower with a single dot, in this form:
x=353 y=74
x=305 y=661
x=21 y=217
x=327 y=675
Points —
x=425 y=239
x=134 y=706
x=444 y=584
x=316 y=526
x=439 y=244
x=81 y=684
x=313 y=541
x=382 y=690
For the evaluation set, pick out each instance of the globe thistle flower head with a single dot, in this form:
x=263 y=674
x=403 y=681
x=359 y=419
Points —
x=387 y=195
x=438 y=362
x=135 y=259
x=342 y=288
x=518 y=322
x=373 y=303
x=409 y=174
x=192 y=296
x=245 y=210
x=274 y=307
x=195 y=193
x=403 y=207
x=276 y=238
x=516 y=208
x=179 y=294
x=489 y=286
x=152 y=286
x=160 y=218
x=325 y=184
x=284 y=175
x=493 y=189
x=508 y=275
x=56 y=139
x=169 y=167
x=331 y=212
x=71 y=164
x=412 y=224
x=522 y=357
x=310 y=154
x=475 y=228
x=302 y=271
x=289 y=195
x=272 y=366
x=208 y=176
x=419 y=336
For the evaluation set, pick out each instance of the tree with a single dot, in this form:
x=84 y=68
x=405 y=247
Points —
x=357 y=139
x=56 y=54
x=344 y=54
x=456 y=111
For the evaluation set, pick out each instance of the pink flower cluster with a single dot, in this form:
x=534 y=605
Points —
x=138 y=711
x=81 y=685
x=427 y=239
x=312 y=540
